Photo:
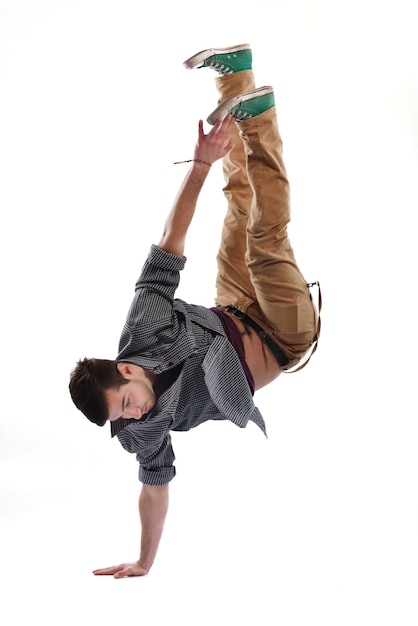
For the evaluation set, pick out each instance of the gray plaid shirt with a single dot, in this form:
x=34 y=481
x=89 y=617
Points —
x=160 y=333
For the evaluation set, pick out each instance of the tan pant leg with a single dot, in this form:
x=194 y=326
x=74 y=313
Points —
x=283 y=300
x=233 y=283
x=257 y=270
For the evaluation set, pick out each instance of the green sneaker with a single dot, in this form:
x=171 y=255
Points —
x=223 y=60
x=244 y=106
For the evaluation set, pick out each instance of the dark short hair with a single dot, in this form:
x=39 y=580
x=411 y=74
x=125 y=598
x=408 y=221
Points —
x=88 y=382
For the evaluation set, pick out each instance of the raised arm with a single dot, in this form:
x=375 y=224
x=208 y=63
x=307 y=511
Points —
x=209 y=148
x=153 y=507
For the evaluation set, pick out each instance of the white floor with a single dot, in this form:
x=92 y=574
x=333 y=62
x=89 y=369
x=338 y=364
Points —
x=316 y=524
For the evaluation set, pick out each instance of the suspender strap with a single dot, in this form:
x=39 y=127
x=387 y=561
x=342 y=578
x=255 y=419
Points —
x=277 y=351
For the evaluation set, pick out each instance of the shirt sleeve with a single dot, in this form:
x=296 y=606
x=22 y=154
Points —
x=158 y=469
x=153 y=325
x=150 y=440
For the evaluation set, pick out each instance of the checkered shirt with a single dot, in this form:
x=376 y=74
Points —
x=162 y=332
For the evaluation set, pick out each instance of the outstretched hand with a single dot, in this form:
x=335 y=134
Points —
x=216 y=144
x=123 y=570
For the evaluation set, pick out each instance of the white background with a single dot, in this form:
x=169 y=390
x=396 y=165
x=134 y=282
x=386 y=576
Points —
x=316 y=524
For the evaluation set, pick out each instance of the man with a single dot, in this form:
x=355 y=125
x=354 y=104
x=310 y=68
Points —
x=180 y=364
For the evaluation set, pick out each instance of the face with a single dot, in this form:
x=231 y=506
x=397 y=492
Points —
x=135 y=398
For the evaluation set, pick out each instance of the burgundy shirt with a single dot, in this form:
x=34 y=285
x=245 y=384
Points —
x=234 y=337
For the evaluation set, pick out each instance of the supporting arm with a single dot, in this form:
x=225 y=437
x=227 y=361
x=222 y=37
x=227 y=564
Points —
x=153 y=507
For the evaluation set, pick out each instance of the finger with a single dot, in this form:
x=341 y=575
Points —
x=217 y=127
x=228 y=146
x=225 y=122
x=221 y=127
x=107 y=571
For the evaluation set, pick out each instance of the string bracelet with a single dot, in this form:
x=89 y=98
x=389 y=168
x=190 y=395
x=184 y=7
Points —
x=190 y=160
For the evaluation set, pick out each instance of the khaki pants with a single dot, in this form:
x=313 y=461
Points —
x=257 y=271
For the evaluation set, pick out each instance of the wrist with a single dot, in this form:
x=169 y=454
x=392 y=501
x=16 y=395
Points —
x=145 y=568
x=201 y=161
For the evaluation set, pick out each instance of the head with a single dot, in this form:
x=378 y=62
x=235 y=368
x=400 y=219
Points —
x=107 y=390
x=89 y=380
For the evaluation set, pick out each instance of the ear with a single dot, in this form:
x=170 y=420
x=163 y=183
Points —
x=125 y=369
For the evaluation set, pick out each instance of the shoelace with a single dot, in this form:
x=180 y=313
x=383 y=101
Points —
x=223 y=69
x=241 y=115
